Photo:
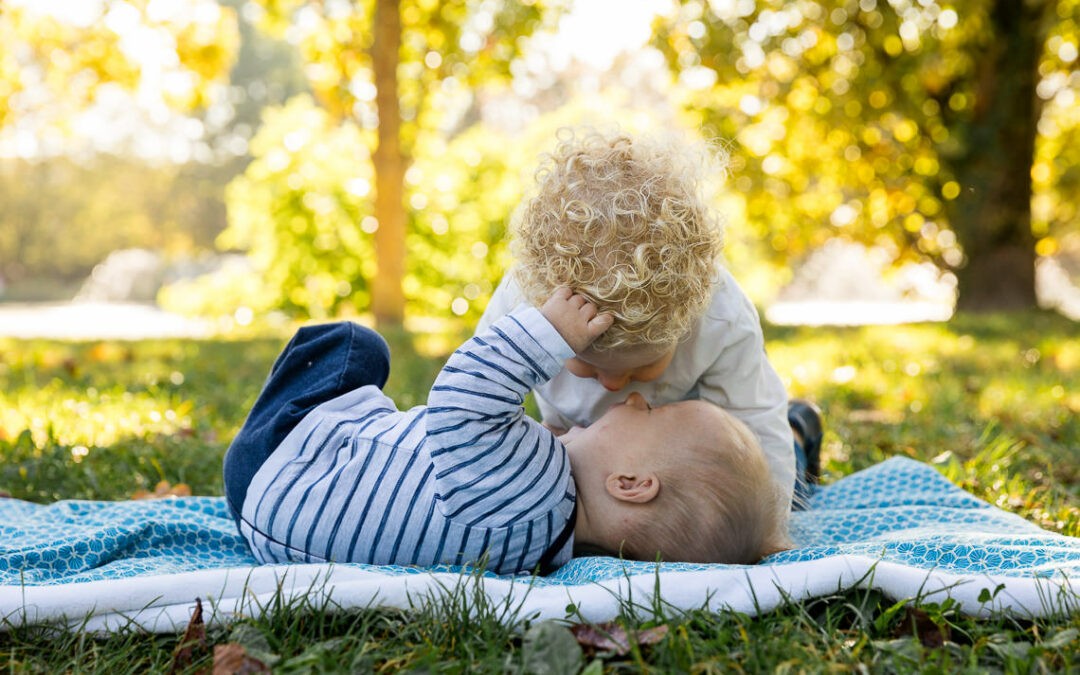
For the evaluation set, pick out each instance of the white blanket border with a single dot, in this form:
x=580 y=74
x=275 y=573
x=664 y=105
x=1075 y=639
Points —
x=164 y=603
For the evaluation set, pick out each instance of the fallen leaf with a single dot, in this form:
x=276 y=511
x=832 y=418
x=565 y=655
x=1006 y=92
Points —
x=233 y=659
x=651 y=636
x=192 y=645
x=603 y=637
x=919 y=624
x=613 y=637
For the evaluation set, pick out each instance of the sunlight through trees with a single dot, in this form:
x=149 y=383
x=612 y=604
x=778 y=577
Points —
x=374 y=151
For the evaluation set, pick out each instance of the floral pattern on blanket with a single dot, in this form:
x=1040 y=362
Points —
x=900 y=510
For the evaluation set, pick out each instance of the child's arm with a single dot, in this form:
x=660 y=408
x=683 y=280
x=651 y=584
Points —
x=485 y=451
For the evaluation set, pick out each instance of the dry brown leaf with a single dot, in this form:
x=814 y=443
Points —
x=232 y=659
x=919 y=624
x=192 y=646
x=603 y=637
x=612 y=637
x=651 y=636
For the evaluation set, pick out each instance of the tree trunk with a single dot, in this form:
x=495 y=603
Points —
x=992 y=215
x=387 y=296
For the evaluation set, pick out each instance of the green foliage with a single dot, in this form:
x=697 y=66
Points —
x=845 y=119
x=303 y=210
x=463 y=193
x=860 y=120
x=72 y=62
x=299 y=210
x=61 y=215
x=1056 y=174
x=445 y=46
x=59 y=218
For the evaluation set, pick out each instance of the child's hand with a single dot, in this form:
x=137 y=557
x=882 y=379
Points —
x=575 y=318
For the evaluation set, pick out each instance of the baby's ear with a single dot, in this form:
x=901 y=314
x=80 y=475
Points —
x=639 y=489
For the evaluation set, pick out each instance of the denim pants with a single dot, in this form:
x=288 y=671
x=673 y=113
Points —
x=320 y=363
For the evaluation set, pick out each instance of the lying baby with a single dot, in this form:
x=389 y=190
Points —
x=326 y=468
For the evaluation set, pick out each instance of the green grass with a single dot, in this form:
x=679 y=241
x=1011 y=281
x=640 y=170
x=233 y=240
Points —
x=992 y=401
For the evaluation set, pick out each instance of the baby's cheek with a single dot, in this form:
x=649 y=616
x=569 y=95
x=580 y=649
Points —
x=648 y=376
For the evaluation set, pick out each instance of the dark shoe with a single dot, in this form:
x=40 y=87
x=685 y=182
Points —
x=805 y=419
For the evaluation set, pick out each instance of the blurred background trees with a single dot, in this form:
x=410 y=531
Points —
x=366 y=155
x=384 y=73
x=76 y=70
x=912 y=125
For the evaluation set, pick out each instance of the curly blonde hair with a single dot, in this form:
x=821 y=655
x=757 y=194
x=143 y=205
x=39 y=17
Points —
x=623 y=221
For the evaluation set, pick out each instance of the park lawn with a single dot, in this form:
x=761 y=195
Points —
x=992 y=401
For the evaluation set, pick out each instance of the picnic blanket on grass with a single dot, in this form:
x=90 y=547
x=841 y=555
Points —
x=899 y=527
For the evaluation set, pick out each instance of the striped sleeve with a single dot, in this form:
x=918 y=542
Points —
x=493 y=465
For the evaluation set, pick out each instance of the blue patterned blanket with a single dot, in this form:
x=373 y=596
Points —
x=896 y=526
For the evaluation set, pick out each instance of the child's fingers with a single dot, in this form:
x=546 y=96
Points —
x=600 y=323
x=562 y=293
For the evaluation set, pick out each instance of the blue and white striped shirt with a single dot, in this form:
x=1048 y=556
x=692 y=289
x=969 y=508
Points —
x=467 y=476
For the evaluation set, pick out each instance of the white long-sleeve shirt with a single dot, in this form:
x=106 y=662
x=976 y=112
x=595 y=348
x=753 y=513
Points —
x=467 y=476
x=722 y=360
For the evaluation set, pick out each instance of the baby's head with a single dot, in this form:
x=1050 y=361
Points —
x=683 y=482
x=623 y=221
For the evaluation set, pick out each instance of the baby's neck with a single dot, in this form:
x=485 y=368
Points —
x=589 y=538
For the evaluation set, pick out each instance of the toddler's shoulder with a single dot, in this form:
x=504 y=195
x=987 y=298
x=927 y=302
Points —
x=729 y=305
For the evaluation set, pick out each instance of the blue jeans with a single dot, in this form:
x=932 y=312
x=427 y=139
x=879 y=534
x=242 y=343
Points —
x=320 y=363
